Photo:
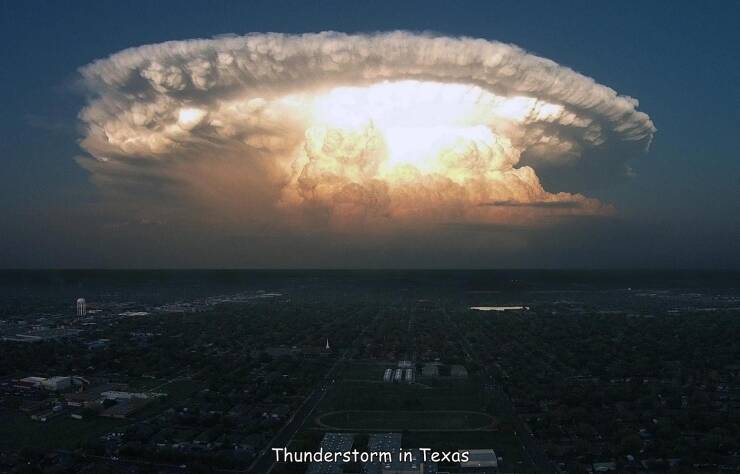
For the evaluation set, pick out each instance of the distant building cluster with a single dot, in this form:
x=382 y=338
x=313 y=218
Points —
x=53 y=384
x=43 y=398
x=436 y=369
x=500 y=308
x=404 y=373
x=41 y=333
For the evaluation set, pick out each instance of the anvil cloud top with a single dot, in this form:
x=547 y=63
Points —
x=335 y=131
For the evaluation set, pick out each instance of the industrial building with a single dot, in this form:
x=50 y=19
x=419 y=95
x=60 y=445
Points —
x=388 y=375
x=409 y=375
x=53 y=384
x=57 y=384
x=413 y=466
x=430 y=370
x=458 y=371
x=42 y=334
x=480 y=461
x=114 y=395
x=34 y=382
x=400 y=374
x=500 y=308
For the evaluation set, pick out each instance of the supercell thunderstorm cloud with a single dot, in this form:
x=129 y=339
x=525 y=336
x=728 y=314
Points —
x=349 y=134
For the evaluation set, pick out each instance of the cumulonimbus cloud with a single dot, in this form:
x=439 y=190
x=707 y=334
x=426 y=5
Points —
x=339 y=130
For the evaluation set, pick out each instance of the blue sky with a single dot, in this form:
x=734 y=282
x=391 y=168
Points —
x=680 y=59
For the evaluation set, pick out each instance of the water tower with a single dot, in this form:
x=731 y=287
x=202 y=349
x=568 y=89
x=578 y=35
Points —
x=81 y=308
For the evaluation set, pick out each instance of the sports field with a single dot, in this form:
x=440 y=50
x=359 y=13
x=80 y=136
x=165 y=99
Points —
x=383 y=420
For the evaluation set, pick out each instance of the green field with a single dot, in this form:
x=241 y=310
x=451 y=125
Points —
x=180 y=390
x=362 y=395
x=370 y=371
x=444 y=414
x=405 y=420
x=18 y=430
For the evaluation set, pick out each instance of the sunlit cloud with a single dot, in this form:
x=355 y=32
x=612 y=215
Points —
x=348 y=133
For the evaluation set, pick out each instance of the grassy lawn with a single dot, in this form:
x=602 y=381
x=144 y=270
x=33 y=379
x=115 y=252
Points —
x=178 y=393
x=361 y=395
x=364 y=403
x=406 y=420
x=18 y=430
x=181 y=390
x=372 y=371
x=143 y=384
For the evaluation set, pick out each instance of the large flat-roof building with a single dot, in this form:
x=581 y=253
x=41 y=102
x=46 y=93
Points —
x=480 y=461
x=388 y=375
x=430 y=370
x=409 y=375
x=458 y=371
x=116 y=395
x=57 y=383
x=414 y=465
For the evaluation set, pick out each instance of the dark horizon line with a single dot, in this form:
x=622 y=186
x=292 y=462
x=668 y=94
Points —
x=369 y=269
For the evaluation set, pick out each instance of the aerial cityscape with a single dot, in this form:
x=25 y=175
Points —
x=525 y=371
x=369 y=237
